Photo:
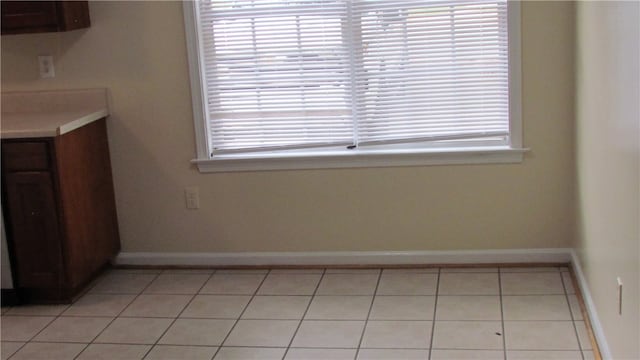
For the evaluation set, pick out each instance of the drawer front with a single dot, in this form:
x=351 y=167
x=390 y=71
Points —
x=25 y=156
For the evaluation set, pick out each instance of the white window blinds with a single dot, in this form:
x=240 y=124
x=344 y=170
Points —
x=284 y=74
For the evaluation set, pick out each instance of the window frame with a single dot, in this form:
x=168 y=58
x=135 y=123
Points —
x=342 y=158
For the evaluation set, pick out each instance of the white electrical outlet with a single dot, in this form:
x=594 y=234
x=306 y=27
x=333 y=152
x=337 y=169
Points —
x=45 y=63
x=192 y=197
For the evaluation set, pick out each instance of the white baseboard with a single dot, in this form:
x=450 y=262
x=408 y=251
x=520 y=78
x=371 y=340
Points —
x=332 y=258
x=596 y=326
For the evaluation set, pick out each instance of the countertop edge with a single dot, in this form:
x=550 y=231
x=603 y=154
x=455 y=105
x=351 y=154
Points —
x=49 y=132
x=82 y=121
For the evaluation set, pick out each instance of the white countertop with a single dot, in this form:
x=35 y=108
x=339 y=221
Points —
x=50 y=113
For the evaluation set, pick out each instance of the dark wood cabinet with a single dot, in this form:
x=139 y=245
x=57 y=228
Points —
x=19 y=17
x=34 y=217
x=60 y=211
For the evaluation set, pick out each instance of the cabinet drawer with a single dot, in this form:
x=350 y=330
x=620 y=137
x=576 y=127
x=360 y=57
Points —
x=25 y=156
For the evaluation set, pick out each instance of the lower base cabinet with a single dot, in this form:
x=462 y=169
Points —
x=59 y=207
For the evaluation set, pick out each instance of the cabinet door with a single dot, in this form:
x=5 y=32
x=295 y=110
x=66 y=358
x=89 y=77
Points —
x=34 y=229
x=19 y=17
x=27 y=15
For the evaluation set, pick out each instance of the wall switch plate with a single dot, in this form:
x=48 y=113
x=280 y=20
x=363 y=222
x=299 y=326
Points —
x=45 y=64
x=192 y=197
x=619 y=296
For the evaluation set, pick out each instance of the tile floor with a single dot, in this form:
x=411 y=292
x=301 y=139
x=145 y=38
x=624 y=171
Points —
x=446 y=313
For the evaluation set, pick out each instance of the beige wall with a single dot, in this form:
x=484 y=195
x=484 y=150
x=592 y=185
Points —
x=137 y=50
x=608 y=160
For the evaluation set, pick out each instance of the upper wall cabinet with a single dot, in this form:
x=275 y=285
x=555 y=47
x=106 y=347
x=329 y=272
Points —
x=21 y=17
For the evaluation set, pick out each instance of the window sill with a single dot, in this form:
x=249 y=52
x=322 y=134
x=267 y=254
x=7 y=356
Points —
x=351 y=159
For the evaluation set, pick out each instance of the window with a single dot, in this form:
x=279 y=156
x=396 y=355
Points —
x=341 y=83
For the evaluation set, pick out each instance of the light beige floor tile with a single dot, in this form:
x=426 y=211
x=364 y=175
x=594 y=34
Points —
x=242 y=271
x=133 y=271
x=339 y=307
x=37 y=310
x=543 y=355
x=387 y=354
x=407 y=284
x=469 y=284
x=216 y=306
x=328 y=334
x=22 y=328
x=588 y=355
x=296 y=271
x=568 y=283
x=232 y=284
x=8 y=348
x=157 y=305
x=480 y=307
x=583 y=335
x=250 y=353
x=374 y=271
x=114 y=352
x=277 y=307
x=73 y=329
x=439 y=354
x=172 y=352
x=171 y=283
x=134 y=331
x=49 y=351
x=188 y=271
x=397 y=334
x=540 y=335
x=468 y=335
x=122 y=283
x=99 y=305
x=469 y=270
x=268 y=333
x=428 y=270
x=320 y=354
x=529 y=269
x=289 y=284
x=206 y=332
x=348 y=284
x=531 y=284
x=574 y=305
x=403 y=308
x=536 y=307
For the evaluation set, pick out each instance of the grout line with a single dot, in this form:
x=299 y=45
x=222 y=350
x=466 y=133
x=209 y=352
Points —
x=255 y=292
x=296 y=318
x=435 y=311
x=305 y=313
x=155 y=277
x=573 y=323
x=304 y=347
x=90 y=286
x=55 y=317
x=34 y=336
x=181 y=311
x=245 y=294
x=595 y=347
x=366 y=322
x=504 y=335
